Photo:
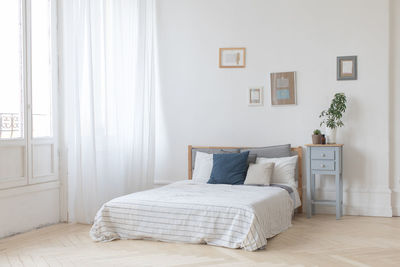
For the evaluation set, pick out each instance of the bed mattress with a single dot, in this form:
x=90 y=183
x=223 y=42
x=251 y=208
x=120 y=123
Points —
x=233 y=216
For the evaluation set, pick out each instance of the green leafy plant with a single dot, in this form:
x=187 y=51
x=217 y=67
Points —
x=332 y=117
x=317 y=132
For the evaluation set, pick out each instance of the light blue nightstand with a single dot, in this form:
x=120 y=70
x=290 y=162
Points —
x=326 y=160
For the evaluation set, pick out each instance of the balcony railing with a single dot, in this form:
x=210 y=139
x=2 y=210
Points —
x=10 y=125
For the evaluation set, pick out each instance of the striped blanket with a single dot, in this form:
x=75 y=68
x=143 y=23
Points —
x=233 y=216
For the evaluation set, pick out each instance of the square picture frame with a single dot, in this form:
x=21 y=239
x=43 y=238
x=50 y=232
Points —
x=255 y=96
x=346 y=68
x=232 y=57
x=283 y=88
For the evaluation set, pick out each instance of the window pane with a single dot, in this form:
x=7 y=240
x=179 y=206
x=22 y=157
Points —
x=11 y=89
x=41 y=68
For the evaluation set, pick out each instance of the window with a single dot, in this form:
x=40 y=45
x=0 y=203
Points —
x=29 y=36
x=28 y=75
x=41 y=68
x=11 y=69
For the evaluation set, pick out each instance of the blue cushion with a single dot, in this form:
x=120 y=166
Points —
x=229 y=168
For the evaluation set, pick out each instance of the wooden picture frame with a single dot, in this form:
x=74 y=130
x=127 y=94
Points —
x=232 y=57
x=255 y=96
x=346 y=68
x=283 y=88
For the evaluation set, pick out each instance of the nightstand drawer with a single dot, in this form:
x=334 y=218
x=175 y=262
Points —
x=323 y=165
x=322 y=153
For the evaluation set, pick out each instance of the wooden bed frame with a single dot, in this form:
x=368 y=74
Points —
x=298 y=150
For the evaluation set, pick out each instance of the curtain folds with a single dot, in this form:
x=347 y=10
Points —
x=107 y=83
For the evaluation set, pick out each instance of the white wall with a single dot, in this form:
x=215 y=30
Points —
x=394 y=104
x=201 y=104
x=28 y=207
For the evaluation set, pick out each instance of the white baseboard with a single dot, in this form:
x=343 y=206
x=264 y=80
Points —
x=356 y=211
x=359 y=201
x=396 y=211
x=396 y=201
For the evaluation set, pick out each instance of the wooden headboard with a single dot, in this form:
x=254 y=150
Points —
x=298 y=150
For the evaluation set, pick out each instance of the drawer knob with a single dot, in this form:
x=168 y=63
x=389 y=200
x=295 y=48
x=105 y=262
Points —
x=323 y=166
x=323 y=154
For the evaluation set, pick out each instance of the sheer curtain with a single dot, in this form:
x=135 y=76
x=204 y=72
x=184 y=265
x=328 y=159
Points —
x=107 y=83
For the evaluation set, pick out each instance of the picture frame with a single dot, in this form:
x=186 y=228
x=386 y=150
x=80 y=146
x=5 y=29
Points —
x=283 y=88
x=232 y=57
x=255 y=96
x=346 y=68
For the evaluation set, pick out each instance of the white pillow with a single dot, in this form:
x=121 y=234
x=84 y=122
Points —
x=202 y=167
x=284 y=169
x=259 y=174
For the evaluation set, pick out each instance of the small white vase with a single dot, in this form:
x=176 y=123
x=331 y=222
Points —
x=330 y=135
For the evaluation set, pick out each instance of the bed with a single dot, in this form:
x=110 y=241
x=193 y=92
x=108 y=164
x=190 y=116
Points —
x=233 y=216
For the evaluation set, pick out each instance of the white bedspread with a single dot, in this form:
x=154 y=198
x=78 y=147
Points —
x=234 y=216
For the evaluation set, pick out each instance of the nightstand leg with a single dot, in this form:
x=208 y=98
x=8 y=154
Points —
x=312 y=193
x=341 y=195
x=308 y=204
x=309 y=196
x=338 y=196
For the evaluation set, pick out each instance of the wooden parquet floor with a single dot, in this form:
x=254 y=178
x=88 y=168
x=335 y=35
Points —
x=320 y=241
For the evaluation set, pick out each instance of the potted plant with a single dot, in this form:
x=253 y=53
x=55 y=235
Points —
x=317 y=137
x=332 y=117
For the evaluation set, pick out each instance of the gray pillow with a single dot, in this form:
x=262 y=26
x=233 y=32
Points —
x=211 y=151
x=279 y=151
x=252 y=158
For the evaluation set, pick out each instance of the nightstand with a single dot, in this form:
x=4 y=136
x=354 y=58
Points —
x=325 y=160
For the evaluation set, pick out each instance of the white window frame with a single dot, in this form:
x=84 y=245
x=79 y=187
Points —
x=27 y=142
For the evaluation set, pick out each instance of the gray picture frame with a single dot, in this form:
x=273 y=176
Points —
x=345 y=75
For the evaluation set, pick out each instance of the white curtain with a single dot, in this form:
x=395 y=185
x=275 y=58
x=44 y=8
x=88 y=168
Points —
x=107 y=83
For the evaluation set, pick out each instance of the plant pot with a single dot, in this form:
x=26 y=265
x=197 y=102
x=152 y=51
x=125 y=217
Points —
x=323 y=139
x=316 y=139
x=330 y=135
